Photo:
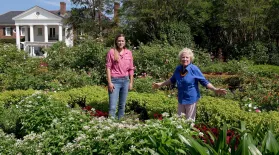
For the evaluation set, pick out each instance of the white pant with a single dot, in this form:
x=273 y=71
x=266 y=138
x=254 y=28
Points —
x=188 y=109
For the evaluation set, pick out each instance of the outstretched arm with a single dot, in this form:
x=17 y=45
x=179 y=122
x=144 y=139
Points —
x=161 y=84
x=218 y=91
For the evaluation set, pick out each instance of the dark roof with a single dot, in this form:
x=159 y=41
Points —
x=7 y=17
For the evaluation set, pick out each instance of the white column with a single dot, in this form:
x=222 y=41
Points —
x=26 y=33
x=60 y=32
x=33 y=51
x=46 y=33
x=17 y=37
x=31 y=33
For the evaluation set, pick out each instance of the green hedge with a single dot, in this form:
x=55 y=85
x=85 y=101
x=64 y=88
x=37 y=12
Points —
x=98 y=97
x=211 y=110
x=7 y=41
x=11 y=97
x=215 y=112
x=265 y=70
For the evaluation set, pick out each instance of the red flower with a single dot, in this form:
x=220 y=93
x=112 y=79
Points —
x=158 y=116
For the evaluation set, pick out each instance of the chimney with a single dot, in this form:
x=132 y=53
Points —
x=62 y=8
x=115 y=13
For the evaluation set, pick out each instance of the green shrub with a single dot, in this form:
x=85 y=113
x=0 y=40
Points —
x=10 y=56
x=230 y=67
x=8 y=41
x=12 y=97
x=265 y=70
x=176 y=34
x=143 y=84
x=257 y=51
x=89 y=55
x=31 y=114
x=217 y=112
x=226 y=111
x=160 y=60
x=211 y=110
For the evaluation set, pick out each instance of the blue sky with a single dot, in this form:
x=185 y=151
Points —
x=22 y=5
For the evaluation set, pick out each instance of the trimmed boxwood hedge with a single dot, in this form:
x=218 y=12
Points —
x=211 y=110
x=215 y=112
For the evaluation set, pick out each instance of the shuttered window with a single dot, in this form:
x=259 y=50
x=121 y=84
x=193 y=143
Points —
x=40 y=31
x=8 y=31
x=22 y=32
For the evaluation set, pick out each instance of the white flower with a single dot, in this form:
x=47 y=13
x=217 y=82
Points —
x=192 y=125
x=133 y=148
x=111 y=136
x=179 y=127
x=201 y=134
x=86 y=127
x=81 y=137
x=54 y=121
x=141 y=141
x=106 y=128
x=144 y=149
x=28 y=106
x=250 y=105
x=165 y=114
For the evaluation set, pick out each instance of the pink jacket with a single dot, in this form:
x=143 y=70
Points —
x=124 y=66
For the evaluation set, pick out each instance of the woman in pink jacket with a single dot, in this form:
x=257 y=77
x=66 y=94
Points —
x=120 y=71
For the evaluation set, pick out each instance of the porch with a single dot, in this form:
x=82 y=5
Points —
x=38 y=36
x=35 y=49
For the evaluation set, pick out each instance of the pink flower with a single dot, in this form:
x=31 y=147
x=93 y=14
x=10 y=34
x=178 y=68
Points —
x=257 y=110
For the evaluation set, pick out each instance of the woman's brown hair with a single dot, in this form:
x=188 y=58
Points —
x=116 y=53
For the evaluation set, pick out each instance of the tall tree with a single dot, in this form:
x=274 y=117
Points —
x=145 y=19
x=273 y=22
x=90 y=16
x=237 y=22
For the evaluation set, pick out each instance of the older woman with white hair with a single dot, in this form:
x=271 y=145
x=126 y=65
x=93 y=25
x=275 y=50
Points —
x=187 y=76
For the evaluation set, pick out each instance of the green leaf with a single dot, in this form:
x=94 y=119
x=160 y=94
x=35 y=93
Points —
x=181 y=151
x=193 y=145
x=152 y=140
x=271 y=143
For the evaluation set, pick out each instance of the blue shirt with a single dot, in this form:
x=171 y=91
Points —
x=188 y=88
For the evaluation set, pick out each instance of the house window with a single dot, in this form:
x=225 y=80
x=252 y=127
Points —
x=40 y=31
x=22 y=32
x=52 y=33
x=8 y=31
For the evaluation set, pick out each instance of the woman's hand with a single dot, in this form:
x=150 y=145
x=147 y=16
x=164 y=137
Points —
x=110 y=87
x=156 y=85
x=130 y=86
x=219 y=91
